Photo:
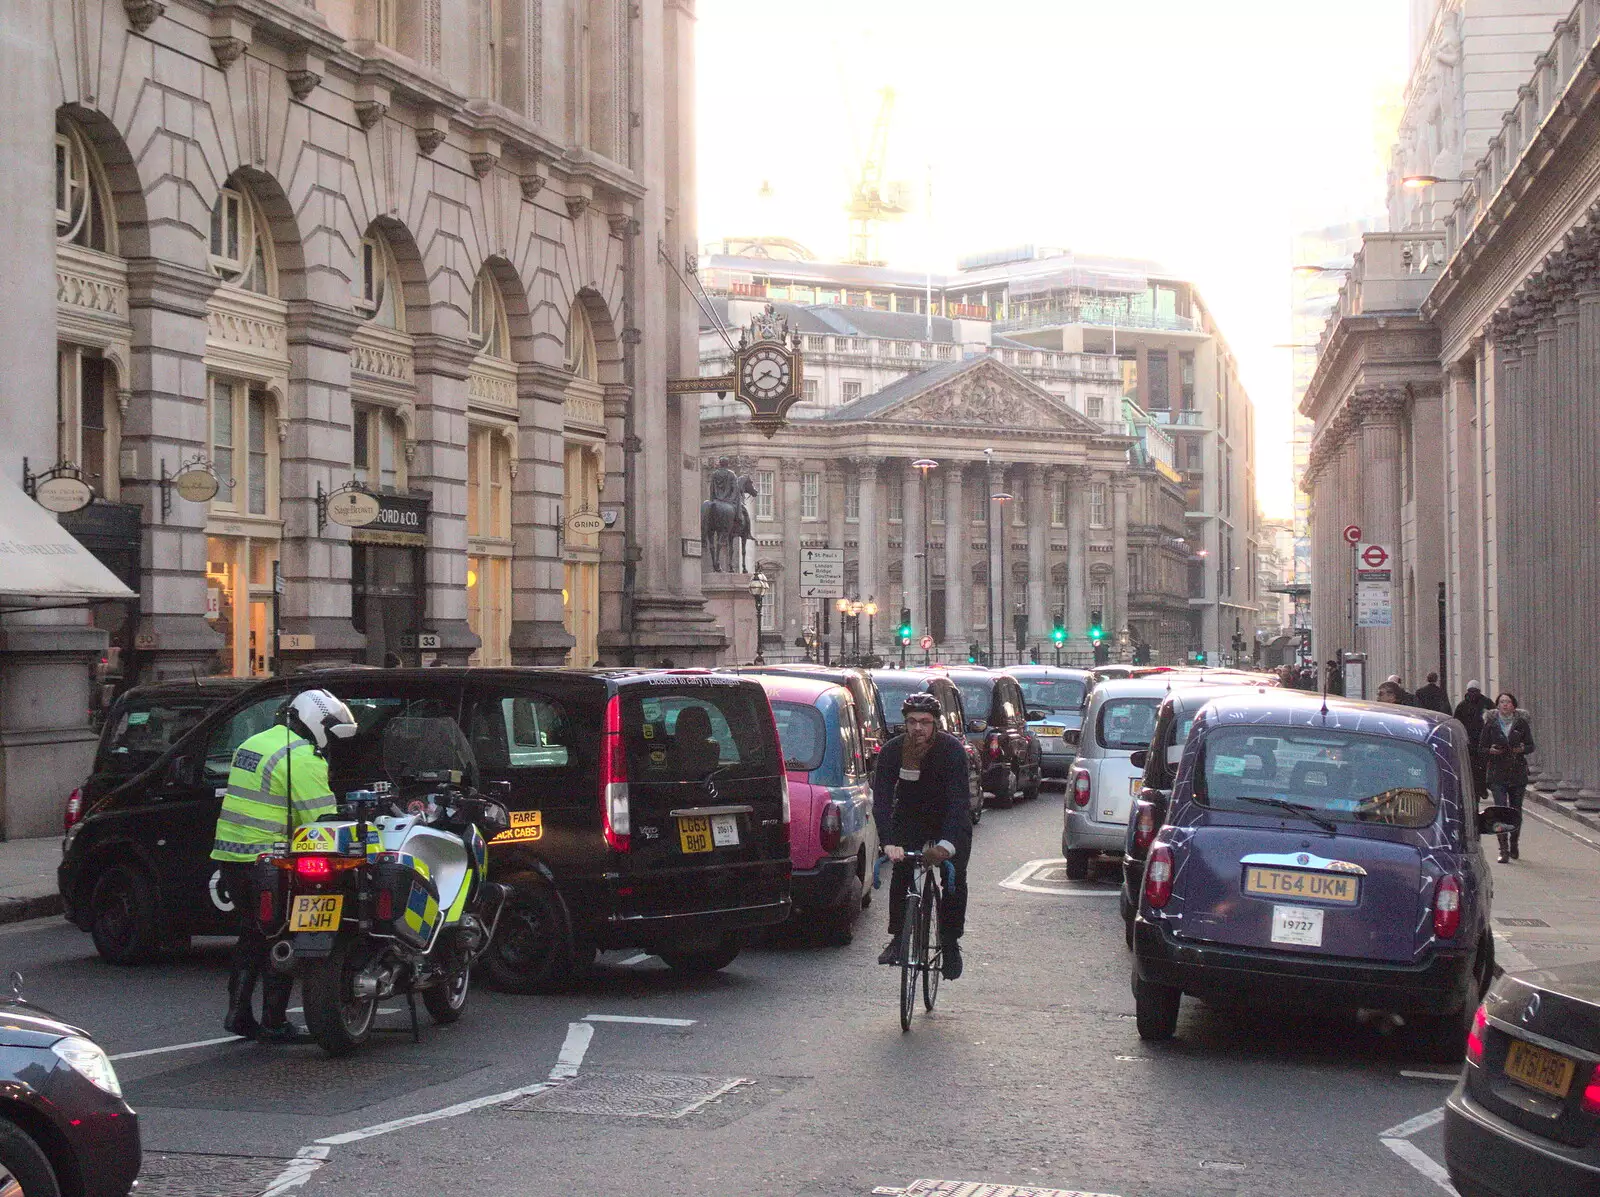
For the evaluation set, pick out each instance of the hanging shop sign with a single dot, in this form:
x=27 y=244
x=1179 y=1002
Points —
x=585 y=523
x=62 y=493
x=400 y=520
x=199 y=484
x=353 y=508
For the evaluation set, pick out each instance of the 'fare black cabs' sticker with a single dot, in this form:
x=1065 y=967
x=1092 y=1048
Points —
x=526 y=826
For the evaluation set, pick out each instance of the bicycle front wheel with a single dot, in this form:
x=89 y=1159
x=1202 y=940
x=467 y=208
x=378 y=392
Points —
x=910 y=958
x=932 y=952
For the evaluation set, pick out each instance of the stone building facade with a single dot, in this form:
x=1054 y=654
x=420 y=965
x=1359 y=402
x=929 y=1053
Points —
x=420 y=246
x=1486 y=418
x=1081 y=529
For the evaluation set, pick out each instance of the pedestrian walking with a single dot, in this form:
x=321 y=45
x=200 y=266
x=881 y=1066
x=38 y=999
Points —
x=1470 y=711
x=1431 y=696
x=1406 y=699
x=1507 y=739
x=1390 y=692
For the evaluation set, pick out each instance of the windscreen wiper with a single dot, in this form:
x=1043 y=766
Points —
x=1298 y=808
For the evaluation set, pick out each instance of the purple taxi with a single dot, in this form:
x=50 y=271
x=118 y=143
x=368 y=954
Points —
x=1320 y=853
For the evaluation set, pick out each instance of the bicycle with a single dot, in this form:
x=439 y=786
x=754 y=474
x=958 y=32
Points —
x=921 y=953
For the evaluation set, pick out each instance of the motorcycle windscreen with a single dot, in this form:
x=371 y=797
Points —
x=422 y=751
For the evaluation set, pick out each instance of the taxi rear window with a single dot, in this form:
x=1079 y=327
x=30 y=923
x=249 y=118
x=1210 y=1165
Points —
x=1052 y=693
x=1338 y=776
x=802 y=735
x=1126 y=724
x=689 y=733
x=146 y=728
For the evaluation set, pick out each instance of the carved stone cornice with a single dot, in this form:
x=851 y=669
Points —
x=791 y=467
x=532 y=184
x=228 y=50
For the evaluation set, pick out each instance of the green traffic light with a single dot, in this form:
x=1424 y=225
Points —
x=1058 y=634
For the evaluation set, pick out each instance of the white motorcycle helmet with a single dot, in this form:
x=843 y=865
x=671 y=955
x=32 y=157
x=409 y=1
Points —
x=323 y=715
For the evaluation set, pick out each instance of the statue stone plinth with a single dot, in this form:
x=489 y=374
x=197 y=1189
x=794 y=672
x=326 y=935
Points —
x=730 y=603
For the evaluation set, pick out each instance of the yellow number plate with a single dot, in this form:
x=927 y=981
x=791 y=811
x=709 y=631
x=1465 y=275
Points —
x=1049 y=729
x=1539 y=1069
x=694 y=833
x=1292 y=883
x=526 y=826
x=316 y=912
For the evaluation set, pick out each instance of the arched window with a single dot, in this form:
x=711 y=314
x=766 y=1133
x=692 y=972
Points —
x=583 y=359
x=241 y=243
x=82 y=197
x=490 y=335
x=379 y=296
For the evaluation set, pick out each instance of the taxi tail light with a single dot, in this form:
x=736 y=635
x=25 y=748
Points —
x=832 y=830
x=1480 y=1027
x=74 y=811
x=1158 y=877
x=1080 y=787
x=1591 y=1092
x=615 y=808
x=1144 y=831
x=1447 y=908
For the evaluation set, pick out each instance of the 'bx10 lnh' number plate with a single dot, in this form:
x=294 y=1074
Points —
x=316 y=912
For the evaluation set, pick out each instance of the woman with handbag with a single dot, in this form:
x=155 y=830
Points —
x=1505 y=742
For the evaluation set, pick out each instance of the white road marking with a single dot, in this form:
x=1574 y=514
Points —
x=572 y=1051
x=1421 y=1161
x=307 y=1160
x=640 y=1019
x=178 y=1047
x=1019 y=881
x=1412 y=1126
x=1452 y=1077
x=1396 y=1139
x=632 y=960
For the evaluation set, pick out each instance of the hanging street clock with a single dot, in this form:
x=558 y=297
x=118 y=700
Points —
x=768 y=373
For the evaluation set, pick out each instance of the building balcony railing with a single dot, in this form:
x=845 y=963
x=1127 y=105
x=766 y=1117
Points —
x=1052 y=317
x=1392 y=272
x=1179 y=419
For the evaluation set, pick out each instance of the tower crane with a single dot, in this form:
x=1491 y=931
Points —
x=874 y=201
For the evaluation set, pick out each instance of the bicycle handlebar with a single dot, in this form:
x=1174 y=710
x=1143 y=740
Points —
x=948 y=872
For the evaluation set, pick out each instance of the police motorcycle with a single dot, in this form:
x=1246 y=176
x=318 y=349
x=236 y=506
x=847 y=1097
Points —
x=390 y=895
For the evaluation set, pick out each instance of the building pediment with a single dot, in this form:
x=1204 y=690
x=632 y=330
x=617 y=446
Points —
x=987 y=395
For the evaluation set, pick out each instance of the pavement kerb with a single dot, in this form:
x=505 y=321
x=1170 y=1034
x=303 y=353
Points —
x=41 y=906
x=1564 y=809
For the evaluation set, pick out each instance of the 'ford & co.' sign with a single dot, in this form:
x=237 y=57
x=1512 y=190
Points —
x=399 y=519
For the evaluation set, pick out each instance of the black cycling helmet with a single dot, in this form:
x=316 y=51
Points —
x=922 y=703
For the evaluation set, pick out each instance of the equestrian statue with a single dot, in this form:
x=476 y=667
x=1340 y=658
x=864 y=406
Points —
x=725 y=519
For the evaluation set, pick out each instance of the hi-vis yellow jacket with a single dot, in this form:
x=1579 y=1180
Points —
x=260 y=810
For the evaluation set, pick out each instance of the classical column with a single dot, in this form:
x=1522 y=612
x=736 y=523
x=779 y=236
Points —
x=791 y=608
x=440 y=468
x=538 y=491
x=995 y=516
x=1038 y=553
x=911 y=546
x=833 y=484
x=316 y=450
x=957 y=577
x=870 y=532
x=1562 y=413
x=165 y=424
x=1118 y=620
x=1078 y=559
x=1380 y=410
x=1586 y=580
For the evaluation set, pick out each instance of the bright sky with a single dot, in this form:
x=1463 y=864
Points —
x=1202 y=135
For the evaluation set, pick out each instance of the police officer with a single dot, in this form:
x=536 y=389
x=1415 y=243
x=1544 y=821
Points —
x=278 y=781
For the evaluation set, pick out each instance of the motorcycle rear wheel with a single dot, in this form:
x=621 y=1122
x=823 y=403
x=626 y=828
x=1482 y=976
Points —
x=339 y=1021
x=446 y=1000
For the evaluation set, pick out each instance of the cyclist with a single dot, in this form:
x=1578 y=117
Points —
x=920 y=796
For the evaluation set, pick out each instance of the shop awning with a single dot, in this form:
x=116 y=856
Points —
x=40 y=562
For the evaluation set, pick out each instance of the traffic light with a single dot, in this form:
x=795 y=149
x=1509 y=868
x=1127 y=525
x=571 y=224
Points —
x=1097 y=627
x=972 y=652
x=905 y=625
x=1058 y=633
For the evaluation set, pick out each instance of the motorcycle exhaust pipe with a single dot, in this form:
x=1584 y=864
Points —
x=282 y=955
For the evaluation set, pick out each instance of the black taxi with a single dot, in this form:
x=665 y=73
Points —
x=649 y=809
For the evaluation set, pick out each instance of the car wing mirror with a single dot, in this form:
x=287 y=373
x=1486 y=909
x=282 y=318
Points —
x=1498 y=818
x=1139 y=757
x=976 y=725
x=1071 y=736
x=1174 y=753
x=1035 y=716
x=179 y=771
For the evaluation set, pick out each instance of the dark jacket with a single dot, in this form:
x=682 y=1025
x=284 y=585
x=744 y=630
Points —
x=933 y=808
x=1470 y=711
x=1431 y=697
x=1508 y=768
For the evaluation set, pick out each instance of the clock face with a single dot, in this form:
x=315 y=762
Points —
x=766 y=374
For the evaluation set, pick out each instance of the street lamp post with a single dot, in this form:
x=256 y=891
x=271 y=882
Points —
x=872 y=613
x=925 y=464
x=759 y=588
x=842 y=606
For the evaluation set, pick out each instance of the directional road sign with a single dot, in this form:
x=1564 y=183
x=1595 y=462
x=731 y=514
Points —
x=821 y=573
